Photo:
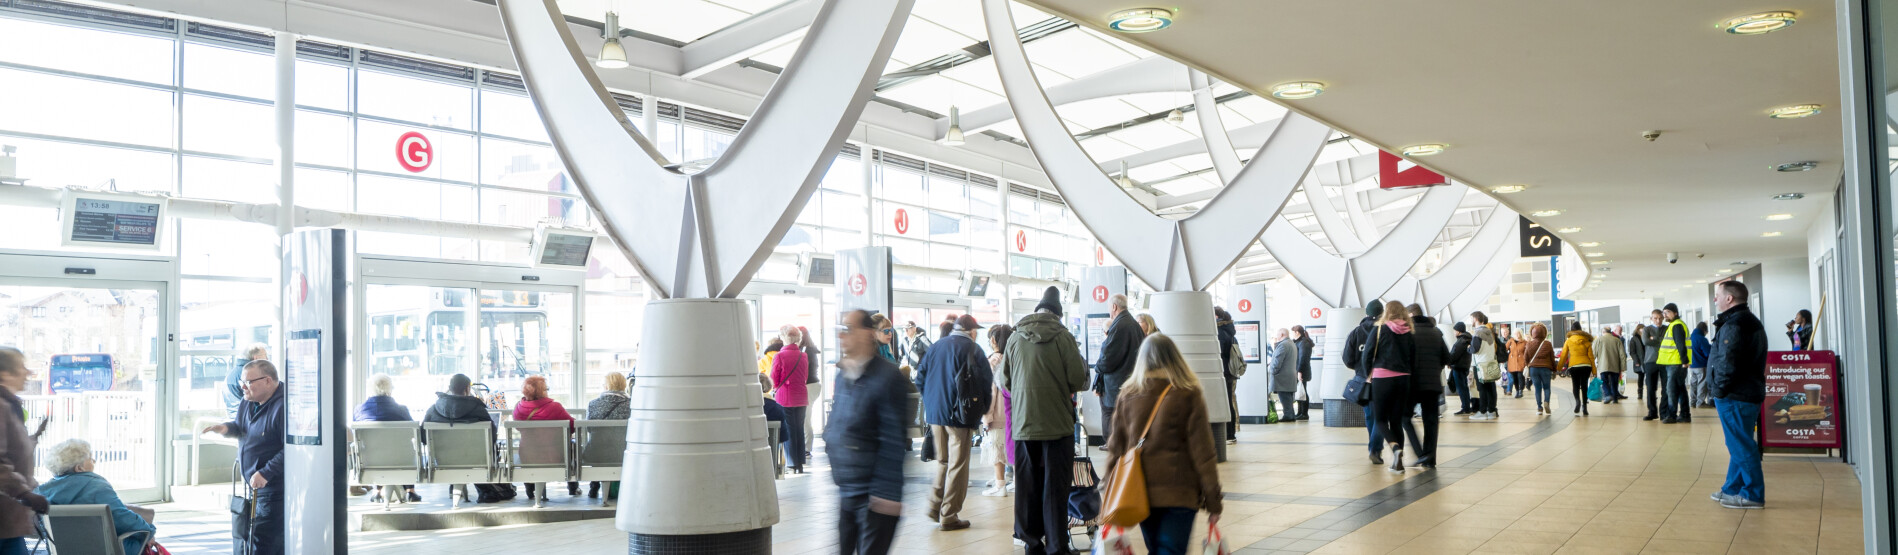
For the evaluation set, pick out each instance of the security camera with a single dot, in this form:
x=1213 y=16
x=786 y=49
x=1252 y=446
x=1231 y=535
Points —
x=1650 y=135
x=1673 y=257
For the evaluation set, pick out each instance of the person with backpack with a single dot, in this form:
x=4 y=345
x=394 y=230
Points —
x=1428 y=358
x=1578 y=361
x=1045 y=370
x=1228 y=357
x=955 y=379
x=1485 y=364
x=1354 y=349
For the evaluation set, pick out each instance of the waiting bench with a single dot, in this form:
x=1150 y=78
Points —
x=402 y=453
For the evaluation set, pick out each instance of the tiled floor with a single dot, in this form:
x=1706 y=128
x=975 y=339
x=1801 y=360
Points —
x=1607 y=483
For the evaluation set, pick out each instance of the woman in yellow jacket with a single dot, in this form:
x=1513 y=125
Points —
x=1578 y=358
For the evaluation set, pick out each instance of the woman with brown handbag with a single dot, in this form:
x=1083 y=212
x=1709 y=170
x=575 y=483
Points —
x=1179 y=476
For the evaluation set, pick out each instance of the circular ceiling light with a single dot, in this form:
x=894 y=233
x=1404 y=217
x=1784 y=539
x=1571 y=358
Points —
x=1778 y=217
x=1794 y=112
x=1545 y=213
x=1723 y=271
x=1568 y=230
x=1507 y=189
x=1796 y=167
x=1597 y=254
x=1599 y=262
x=1430 y=149
x=1770 y=234
x=1759 y=23
x=1141 y=20
x=1590 y=244
x=1789 y=196
x=1298 y=90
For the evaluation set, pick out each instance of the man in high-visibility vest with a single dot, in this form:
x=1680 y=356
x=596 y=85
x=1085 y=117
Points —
x=1673 y=358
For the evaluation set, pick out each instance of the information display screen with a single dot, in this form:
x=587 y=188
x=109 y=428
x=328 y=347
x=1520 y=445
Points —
x=1248 y=335
x=116 y=222
x=1096 y=328
x=561 y=249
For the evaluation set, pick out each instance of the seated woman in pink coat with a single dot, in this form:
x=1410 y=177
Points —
x=536 y=405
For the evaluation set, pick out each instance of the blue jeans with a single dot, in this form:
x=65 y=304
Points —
x=1168 y=530
x=1541 y=378
x=1740 y=421
x=1370 y=425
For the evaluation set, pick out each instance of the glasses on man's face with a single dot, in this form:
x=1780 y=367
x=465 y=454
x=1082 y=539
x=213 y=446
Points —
x=254 y=380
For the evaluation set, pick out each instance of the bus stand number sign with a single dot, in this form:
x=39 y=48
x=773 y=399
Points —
x=1802 y=400
x=115 y=221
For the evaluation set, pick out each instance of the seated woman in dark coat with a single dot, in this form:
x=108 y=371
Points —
x=381 y=407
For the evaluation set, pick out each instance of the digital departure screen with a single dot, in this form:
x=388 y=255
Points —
x=566 y=250
x=110 y=221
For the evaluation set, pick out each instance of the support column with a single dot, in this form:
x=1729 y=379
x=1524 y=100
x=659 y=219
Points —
x=1187 y=317
x=698 y=474
x=1338 y=412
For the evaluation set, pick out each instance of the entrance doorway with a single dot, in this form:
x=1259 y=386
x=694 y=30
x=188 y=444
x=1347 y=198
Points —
x=100 y=361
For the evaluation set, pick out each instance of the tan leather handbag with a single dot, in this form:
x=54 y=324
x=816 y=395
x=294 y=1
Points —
x=1124 y=502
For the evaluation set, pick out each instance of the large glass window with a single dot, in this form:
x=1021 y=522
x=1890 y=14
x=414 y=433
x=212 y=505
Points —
x=414 y=99
x=76 y=49
x=46 y=104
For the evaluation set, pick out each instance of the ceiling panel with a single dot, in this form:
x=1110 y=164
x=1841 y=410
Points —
x=1099 y=112
x=937 y=93
x=1075 y=53
x=923 y=40
x=1106 y=148
x=1152 y=135
x=680 y=20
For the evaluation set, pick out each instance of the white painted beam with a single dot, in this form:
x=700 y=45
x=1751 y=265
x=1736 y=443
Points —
x=761 y=32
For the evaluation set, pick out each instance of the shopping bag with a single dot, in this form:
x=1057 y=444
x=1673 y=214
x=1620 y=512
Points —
x=1113 y=540
x=1271 y=413
x=1594 y=388
x=1215 y=543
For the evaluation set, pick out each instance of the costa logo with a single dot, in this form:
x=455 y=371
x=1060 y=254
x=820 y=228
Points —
x=1245 y=305
x=1021 y=241
x=414 y=152
x=858 y=285
x=1316 y=313
x=902 y=221
x=1100 y=293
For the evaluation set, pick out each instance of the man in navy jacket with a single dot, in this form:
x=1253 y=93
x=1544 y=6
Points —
x=1737 y=372
x=956 y=382
x=865 y=440
x=259 y=429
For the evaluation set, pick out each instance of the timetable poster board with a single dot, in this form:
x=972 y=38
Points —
x=1249 y=341
x=1317 y=334
x=114 y=221
x=303 y=374
x=1095 y=325
x=1802 y=400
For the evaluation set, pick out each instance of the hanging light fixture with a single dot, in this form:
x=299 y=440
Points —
x=1175 y=117
x=612 y=54
x=1124 y=181
x=954 y=136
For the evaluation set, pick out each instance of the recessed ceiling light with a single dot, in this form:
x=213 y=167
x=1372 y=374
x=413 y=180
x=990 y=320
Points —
x=1600 y=262
x=1298 y=90
x=1545 y=213
x=1778 y=217
x=1603 y=269
x=1794 y=111
x=1723 y=271
x=1700 y=281
x=1791 y=167
x=1759 y=23
x=1430 y=149
x=1590 y=244
x=1507 y=189
x=1568 y=230
x=1770 y=234
x=1141 y=20
x=1789 y=196
x=1597 y=254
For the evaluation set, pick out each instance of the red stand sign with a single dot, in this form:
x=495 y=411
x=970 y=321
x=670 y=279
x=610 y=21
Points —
x=1802 y=400
x=1389 y=176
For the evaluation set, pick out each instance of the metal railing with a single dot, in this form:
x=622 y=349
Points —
x=118 y=424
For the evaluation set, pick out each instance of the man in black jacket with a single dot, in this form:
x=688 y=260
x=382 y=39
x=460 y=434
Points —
x=259 y=428
x=1353 y=352
x=1119 y=349
x=1460 y=368
x=864 y=440
x=1426 y=383
x=1737 y=370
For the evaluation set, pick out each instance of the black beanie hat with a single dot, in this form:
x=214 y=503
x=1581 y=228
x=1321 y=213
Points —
x=1375 y=309
x=1460 y=328
x=1671 y=307
x=1051 y=300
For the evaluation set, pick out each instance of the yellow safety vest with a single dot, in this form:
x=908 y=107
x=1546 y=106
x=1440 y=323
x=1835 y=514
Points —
x=1671 y=354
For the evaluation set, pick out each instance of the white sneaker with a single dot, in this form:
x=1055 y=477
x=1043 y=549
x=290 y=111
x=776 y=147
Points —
x=995 y=492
